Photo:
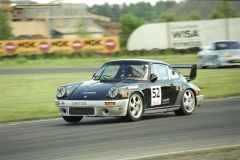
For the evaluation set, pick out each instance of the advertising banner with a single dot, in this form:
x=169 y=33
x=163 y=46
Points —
x=185 y=35
x=105 y=45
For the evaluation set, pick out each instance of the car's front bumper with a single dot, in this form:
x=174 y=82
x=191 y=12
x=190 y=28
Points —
x=230 y=61
x=199 y=99
x=92 y=108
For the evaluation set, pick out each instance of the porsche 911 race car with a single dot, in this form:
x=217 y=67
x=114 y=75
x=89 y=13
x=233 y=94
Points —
x=129 y=88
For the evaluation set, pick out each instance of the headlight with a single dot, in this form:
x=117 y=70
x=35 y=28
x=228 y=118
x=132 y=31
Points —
x=61 y=92
x=113 y=92
x=64 y=91
x=226 y=54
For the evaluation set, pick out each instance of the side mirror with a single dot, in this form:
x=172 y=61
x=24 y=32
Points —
x=153 y=77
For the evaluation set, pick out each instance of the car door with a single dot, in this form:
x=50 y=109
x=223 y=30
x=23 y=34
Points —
x=162 y=89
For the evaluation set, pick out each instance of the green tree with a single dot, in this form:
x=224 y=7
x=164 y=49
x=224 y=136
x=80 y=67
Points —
x=142 y=10
x=5 y=29
x=82 y=28
x=129 y=23
x=193 y=16
x=224 y=10
x=167 y=18
x=116 y=12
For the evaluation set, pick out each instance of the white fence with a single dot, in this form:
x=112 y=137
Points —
x=183 y=35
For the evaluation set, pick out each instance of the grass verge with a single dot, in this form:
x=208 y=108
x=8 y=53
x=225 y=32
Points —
x=22 y=62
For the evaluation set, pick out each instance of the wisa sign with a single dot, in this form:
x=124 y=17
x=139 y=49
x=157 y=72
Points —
x=185 y=35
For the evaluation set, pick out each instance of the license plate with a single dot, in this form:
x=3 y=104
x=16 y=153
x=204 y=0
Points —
x=81 y=111
x=79 y=103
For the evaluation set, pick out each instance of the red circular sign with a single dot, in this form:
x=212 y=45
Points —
x=44 y=46
x=10 y=47
x=110 y=44
x=77 y=45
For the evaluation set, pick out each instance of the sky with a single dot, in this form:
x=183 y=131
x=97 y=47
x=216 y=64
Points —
x=92 y=2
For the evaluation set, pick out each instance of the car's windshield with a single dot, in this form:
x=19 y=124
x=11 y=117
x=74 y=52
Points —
x=227 y=45
x=119 y=70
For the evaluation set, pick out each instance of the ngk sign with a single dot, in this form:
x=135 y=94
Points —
x=29 y=47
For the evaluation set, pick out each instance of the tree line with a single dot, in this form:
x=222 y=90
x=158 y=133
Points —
x=142 y=10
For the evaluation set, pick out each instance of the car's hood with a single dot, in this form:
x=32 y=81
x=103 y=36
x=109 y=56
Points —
x=97 y=90
x=233 y=52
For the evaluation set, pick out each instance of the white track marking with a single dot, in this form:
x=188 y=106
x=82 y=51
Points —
x=26 y=122
x=178 y=152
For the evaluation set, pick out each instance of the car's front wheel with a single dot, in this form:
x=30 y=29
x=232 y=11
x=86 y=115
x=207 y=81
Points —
x=135 y=108
x=187 y=104
x=72 y=119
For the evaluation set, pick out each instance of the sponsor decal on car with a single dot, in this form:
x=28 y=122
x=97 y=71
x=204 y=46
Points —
x=166 y=101
x=133 y=87
x=89 y=92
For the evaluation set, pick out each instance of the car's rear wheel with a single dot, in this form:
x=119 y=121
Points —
x=135 y=108
x=187 y=104
x=72 y=119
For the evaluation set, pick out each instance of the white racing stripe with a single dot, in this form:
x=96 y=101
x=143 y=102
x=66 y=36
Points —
x=178 y=152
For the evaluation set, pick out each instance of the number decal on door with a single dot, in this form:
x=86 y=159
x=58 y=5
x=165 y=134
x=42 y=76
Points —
x=156 y=95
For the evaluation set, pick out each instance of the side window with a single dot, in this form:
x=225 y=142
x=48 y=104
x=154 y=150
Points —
x=173 y=74
x=160 y=71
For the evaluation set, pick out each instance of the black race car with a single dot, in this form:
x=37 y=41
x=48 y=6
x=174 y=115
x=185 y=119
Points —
x=129 y=88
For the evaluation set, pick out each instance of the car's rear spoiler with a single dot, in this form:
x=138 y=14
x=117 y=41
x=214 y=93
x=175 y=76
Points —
x=193 y=73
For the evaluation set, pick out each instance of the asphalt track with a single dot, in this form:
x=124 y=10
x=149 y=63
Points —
x=214 y=124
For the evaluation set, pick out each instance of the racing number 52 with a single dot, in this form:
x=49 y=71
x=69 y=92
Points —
x=156 y=92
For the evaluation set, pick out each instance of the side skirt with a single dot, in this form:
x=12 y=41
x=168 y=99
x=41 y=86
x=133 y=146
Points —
x=161 y=109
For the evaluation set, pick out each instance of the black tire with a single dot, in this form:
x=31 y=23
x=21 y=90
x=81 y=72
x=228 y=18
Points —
x=135 y=108
x=72 y=119
x=187 y=104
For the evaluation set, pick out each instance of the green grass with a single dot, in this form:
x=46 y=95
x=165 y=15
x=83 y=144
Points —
x=26 y=97
x=217 y=82
x=22 y=62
